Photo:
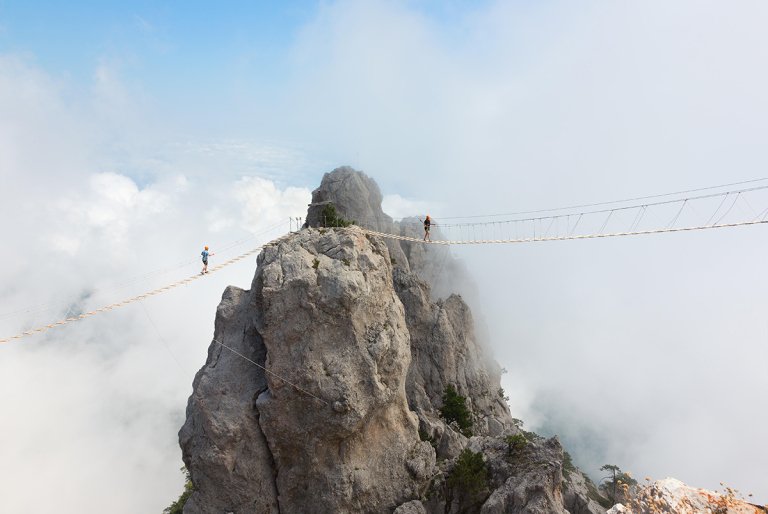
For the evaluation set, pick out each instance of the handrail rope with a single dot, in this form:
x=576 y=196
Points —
x=563 y=238
x=613 y=202
x=270 y=372
x=597 y=204
x=622 y=208
x=143 y=296
x=725 y=194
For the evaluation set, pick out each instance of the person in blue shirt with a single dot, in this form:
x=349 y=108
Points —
x=205 y=255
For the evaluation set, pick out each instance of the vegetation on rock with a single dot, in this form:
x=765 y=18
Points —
x=617 y=482
x=468 y=482
x=515 y=443
x=177 y=507
x=332 y=219
x=455 y=410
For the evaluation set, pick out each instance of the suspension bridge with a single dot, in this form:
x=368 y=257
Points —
x=676 y=212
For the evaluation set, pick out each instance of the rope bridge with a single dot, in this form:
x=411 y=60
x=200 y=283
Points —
x=559 y=227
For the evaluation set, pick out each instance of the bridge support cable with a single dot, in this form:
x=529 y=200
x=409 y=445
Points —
x=677 y=216
x=272 y=373
x=736 y=199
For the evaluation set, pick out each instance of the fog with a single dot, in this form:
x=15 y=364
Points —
x=647 y=352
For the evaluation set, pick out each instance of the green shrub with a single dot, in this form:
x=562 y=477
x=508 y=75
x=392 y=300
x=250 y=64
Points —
x=468 y=482
x=515 y=443
x=331 y=218
x=315 y=263
x=568 y=466
x=424 y=436
x=177 y=507
x=455 y=409
x=533 y=436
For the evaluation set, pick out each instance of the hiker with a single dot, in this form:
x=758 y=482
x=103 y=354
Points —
x=205 y=255
x=427 y=224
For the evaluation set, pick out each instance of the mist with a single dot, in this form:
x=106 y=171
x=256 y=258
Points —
x=645 y=352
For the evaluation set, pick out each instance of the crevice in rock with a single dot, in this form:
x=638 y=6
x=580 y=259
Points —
x=259 y=355
x=272 y=462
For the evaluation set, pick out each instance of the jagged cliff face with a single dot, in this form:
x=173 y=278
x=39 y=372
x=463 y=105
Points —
x=222 y=442
x=332 y=324
x=359 y=352
x=445 y=352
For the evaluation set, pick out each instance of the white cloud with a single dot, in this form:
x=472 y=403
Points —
x=262 y=204
x=399 y=207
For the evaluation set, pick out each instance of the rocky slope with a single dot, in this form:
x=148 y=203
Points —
x=672 y=495
x=324 y=385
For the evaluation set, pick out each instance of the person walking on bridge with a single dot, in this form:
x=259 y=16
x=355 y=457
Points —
x=205 y=255
x=427 y=225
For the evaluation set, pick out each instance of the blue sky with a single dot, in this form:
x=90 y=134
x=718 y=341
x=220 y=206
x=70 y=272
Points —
x=178 y=52
x=195 y=69
x=73 y=36
x=181 y=54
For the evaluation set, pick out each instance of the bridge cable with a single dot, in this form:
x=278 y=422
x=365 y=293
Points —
x=270 y=372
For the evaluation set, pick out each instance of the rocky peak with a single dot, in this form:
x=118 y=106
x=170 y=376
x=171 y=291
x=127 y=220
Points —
x=356 y=197
x=325 y=385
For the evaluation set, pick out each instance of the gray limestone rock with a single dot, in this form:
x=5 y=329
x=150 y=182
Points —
x=531 y=478
x=336 y=329
x=446 y=352
x=444 y=347
x=579 y=494
x=357 y=198
x=412 y=507
x=352 y=350
x=328 y=428
x=451 y=444
x=222 y=443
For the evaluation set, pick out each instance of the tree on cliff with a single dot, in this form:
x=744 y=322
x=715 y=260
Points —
x=467 y=483
x=455 y=409
x=614 y=482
